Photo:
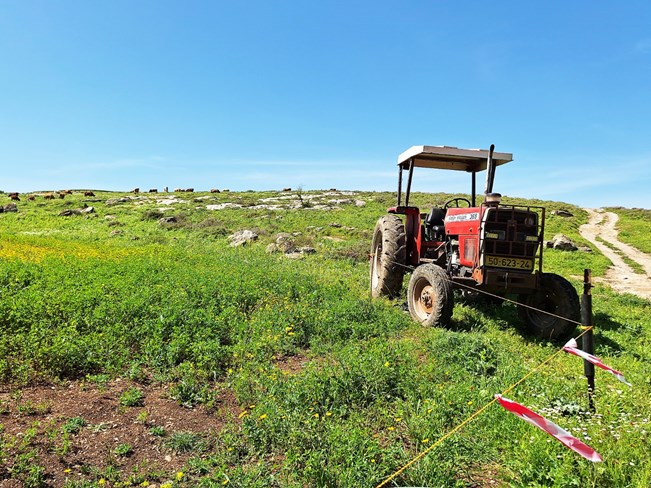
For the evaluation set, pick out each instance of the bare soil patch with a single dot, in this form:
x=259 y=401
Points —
x=45 y=410
x=620 y=275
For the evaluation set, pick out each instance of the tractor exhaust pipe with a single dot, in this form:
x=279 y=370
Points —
x=490 y=171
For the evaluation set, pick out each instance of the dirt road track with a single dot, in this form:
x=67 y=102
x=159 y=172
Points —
x=620 y=276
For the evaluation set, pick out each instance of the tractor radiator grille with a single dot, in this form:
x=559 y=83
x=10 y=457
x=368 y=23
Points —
x=511 y=232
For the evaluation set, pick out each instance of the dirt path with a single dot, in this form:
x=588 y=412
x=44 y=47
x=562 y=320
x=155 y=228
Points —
x=620 y=276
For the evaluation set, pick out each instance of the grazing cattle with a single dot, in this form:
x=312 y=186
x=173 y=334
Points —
x=135 y=190
x=15 y=198
x=190 y=190
x=66 y=192
x=214 y=190
x=61 y=195
x=178 y=189
x=89 y=193
x=31 y=197
x=153 y=190
x=49 y=196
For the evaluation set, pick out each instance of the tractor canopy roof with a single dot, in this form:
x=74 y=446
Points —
x=447 y=157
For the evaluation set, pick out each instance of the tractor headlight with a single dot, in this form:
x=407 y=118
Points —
x=495 y=234
x=530 y=221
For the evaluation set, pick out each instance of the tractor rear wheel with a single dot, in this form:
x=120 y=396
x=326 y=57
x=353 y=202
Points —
x=430 y=297
x=388 y=256
x=555 y=296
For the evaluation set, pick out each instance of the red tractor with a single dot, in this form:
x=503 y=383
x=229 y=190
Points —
x=490 y=247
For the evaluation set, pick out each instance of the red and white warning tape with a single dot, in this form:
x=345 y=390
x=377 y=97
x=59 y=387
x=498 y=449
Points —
x=563 y=436
x=573 y=348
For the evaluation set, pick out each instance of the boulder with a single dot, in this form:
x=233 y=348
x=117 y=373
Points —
x=284 y=242
x=562 y=213
x=115 y=201
x=300 y=252
x=88 y=210
x=294 y=255
x=167 y=220
x=562 y=243
x=242 y=238
x=70 y=211
x=10 y=207
x=306 y=250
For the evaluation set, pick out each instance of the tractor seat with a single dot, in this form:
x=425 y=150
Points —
x=435 y=217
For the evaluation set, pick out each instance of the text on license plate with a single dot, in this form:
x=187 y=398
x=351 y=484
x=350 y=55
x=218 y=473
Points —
x=515 y=263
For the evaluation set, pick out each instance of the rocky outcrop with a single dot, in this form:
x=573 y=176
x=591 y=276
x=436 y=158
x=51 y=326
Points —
x=284 y=243
x=242 y=238
x=562 y=243
x=10 y=207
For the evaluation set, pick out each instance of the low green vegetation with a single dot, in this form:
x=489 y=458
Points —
x=331 y=388
x=634 y=227
x=133 y=397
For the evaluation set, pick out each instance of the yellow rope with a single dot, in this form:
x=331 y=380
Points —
x=473 y=416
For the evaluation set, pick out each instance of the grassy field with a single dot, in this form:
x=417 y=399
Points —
x=634 y=227
x=312 y=383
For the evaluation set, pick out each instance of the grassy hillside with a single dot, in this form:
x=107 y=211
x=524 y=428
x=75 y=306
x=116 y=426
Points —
x=312 y=382
x=634 y=227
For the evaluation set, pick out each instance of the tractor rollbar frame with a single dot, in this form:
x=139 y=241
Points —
x=409 y=178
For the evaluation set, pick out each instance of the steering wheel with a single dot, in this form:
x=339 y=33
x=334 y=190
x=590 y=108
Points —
x=456 y=202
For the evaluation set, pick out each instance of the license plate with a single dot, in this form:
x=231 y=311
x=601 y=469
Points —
x=513 y=263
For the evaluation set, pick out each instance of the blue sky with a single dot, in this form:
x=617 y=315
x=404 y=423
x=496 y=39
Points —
x=269 y=94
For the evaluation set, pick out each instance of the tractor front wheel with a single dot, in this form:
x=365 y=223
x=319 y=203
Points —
x=555 y=296
x=429 y=297
x=388 y=256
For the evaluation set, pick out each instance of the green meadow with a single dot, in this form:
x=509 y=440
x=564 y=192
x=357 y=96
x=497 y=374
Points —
x=329 y=387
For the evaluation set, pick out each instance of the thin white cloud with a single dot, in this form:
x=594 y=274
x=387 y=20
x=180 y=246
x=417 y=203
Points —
x=583 y=182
